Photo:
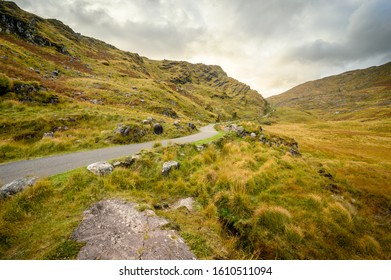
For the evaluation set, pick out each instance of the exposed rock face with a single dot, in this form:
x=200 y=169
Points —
x=167 y=166
x=16 y=186
x=158 y=129
x=24 y=29
x=116 y=230
x=100 y=168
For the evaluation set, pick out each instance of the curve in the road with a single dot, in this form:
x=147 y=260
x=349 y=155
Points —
x=52 y=165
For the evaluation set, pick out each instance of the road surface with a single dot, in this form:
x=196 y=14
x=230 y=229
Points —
x=52 y=165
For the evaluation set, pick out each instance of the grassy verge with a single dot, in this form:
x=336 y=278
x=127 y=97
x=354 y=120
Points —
x=253 y=201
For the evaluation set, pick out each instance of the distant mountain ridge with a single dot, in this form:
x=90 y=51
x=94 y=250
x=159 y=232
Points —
x=352 y=90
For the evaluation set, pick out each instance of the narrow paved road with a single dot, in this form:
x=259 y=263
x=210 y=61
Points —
x=52 y=165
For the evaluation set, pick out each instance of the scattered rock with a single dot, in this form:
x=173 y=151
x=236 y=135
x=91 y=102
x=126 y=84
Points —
x=191 y=125
x=158 y=129
x=253 y=135
x=200 y=147
x=167 y=166
x=186 y=202
x=123 y=130
x=323 y=172
x=334 y=188
x=100 y=168
x=239 y=130
x=294 y=152
x=16 y=186
x=169 y=112
x=116 y=230
x=48 y=135
x=149 y=120
x=61 y=128
x=127 y=162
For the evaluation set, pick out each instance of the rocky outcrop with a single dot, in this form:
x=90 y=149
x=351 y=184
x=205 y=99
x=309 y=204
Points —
x=278 y=141
x=26 y=30
x=16 y=186
x=116 y=230
x=100 y=168
x=167 y=166
x=239 y=130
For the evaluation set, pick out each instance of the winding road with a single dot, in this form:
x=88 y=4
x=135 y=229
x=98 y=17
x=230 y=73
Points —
x=52 y=165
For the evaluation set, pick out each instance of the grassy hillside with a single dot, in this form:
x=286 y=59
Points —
x=55 y=80
x=355 y=94
x=256 y=197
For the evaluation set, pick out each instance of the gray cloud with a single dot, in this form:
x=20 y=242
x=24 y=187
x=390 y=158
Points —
x=272 y=45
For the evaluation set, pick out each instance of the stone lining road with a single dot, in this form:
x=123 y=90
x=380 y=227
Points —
x=52 y=165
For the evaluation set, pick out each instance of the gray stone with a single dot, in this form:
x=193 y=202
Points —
x=116 y=230
x=200 y=148
x=127 y=162
x=239 y=130
x=100 y=168
x=186 y=202
x=16 y=186
x=167 y=166
x=253 y=135
x=48 y=135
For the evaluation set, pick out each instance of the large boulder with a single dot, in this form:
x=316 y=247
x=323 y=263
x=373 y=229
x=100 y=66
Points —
x=158 y=129
x=167 y=166
x=116 y=230
x=100 y=168
x=239 y=130
x=16 y=186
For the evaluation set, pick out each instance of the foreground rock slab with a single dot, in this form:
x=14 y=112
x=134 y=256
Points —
x=116 y=230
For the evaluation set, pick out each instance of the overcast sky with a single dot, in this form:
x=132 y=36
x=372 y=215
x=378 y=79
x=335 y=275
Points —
x=272 y=45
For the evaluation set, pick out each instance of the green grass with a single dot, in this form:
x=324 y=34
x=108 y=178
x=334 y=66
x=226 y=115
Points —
x=252 y=201
x=218 y=136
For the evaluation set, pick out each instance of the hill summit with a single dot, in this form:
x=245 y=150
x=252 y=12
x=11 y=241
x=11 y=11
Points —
x=345 y=94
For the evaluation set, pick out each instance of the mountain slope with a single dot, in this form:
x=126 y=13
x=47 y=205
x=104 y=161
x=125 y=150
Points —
x=54 y=78
x=345 y=94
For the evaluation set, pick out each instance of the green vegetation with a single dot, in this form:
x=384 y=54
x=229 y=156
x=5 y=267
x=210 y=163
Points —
x=91 y=88
x=255 y=198
x=351 y=95
x=252 y=201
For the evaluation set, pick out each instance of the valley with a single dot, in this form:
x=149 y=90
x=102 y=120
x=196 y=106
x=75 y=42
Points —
x=304 y=175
